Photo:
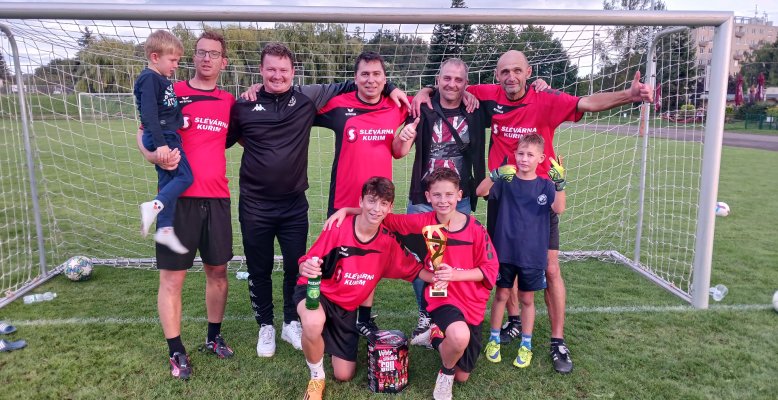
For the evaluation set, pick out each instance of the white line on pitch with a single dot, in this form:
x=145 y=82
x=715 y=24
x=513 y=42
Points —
x=394 y=314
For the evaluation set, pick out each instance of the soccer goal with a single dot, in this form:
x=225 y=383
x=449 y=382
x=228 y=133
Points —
x=642 y=187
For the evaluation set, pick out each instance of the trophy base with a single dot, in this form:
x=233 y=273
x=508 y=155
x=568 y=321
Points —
x=438 y=292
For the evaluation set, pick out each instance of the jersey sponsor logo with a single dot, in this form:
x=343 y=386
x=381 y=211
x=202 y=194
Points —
x=350 y=112
x=187 y=122
x=258 y=107
x=351 y=134
x=209 y=124
x=292 y=102
x=498 y=109
x=512 y=132
x=184 y=100
x=542 y=200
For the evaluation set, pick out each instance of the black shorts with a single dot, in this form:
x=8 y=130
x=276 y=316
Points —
x=530 y=279
x=446 y=315
x=203 y=224
x=340 y=335
x=553 y=239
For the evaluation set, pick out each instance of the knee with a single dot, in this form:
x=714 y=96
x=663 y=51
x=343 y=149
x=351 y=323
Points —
x=458 y=335
x=344 y=374
x=312 y=322
x=216 y=275
x=502 y=294
x=461 y=376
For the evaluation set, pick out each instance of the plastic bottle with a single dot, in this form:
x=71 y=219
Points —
x=242 y=275
x=718 y=292
x=39 y=297
x=312 y=292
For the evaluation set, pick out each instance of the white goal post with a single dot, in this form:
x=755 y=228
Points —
x=106 y=105
x=642 y=189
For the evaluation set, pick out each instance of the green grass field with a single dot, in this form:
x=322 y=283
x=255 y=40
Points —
x=629 y=339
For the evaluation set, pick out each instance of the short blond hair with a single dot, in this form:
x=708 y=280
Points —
x=163 y=42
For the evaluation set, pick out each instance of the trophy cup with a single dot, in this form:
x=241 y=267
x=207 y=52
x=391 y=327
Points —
x=435 y=238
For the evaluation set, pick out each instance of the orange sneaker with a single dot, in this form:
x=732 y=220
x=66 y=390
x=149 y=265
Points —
x=315 y=390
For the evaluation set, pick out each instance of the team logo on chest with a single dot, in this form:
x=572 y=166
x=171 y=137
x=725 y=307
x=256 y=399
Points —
x=292 y=102
x=351 y=134
x=258 y=107
x=542 y=200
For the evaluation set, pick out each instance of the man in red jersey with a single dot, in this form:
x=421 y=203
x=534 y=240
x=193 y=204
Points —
x=203 y=217
x=364 y=123
x=351 y=260
x=516 y=110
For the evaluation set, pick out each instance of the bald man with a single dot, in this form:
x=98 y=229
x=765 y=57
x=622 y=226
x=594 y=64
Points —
x=514 y=109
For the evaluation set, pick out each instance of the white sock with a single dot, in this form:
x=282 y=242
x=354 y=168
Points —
x=317 y=369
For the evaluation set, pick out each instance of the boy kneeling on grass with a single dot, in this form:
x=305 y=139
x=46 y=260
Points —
x=350 y=259
x=521 y=237
x=469 y=267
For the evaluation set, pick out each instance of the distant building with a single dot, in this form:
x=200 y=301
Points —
x=749 y=34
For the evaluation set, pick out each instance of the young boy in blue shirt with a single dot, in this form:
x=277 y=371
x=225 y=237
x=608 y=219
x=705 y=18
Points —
x=521 y=237
x=161 y=118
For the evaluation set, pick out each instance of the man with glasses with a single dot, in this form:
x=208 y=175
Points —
x=202 y=217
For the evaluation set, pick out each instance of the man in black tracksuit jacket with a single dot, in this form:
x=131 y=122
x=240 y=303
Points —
x=275 y=133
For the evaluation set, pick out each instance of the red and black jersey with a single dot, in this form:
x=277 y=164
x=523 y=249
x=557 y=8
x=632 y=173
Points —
x=536 y=112
x=206 y=118
x=352 y=268
x=363 y=143
x=467 y=248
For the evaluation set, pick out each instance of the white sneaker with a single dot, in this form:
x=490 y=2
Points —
x=266 y=341
x=148 y=213
x=421 y=336
x=166 y=237
x=292 y=333
x=444 y=387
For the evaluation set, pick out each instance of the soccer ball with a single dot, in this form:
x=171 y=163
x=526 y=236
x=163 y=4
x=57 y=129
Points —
x=775 y=301
x=722 y=209
x=78 y=268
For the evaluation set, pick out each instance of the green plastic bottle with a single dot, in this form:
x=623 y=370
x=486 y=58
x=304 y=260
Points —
x=312 y=292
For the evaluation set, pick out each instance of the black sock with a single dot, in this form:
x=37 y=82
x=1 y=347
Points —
x=175 y=345
x=557 y=341
x=447 y=371
x=363 y=315
x=214 y=328
x=514 y=318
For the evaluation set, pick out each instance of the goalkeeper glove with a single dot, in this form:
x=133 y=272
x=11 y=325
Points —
x=506 y=173
x=557 y=175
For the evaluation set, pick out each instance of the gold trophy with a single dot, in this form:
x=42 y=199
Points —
x=435 y=238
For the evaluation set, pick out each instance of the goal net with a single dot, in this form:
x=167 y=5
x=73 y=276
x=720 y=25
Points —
x=633 y=193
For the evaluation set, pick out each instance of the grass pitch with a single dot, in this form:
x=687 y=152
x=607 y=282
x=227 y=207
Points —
x=629 y=339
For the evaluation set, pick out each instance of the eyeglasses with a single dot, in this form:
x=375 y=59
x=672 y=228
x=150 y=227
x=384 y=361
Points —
x=213 y=53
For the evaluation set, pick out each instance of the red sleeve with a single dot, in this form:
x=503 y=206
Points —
x=561 y=107
x=405 y=224
x=484 y=256
x=481 y=92
x=324 y=243
x=401 y=263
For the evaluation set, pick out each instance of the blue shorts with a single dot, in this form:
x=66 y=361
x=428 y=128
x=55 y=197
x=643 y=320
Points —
x=530 y=279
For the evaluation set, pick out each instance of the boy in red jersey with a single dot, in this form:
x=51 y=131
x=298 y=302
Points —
x=469 y=269
x=351 y=260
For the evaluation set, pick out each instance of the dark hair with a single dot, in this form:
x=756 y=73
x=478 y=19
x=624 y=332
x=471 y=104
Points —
x=213 y=35
x=380 y=187
x=369 y=56
x=442 y=174
x=276 y=49
x=533 y=138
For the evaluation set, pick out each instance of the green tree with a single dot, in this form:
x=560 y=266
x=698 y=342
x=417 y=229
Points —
x=448 y=40
x=405 y=55
x=764 y=60
x=547 y=57
x=86 y=39
x=108 y=65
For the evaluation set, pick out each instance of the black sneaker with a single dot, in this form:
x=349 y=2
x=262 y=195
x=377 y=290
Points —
x=560 y=355
x=179 y=366
x=421 y=335
x=510 y=330
x=219 y=347
x=366 y=328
